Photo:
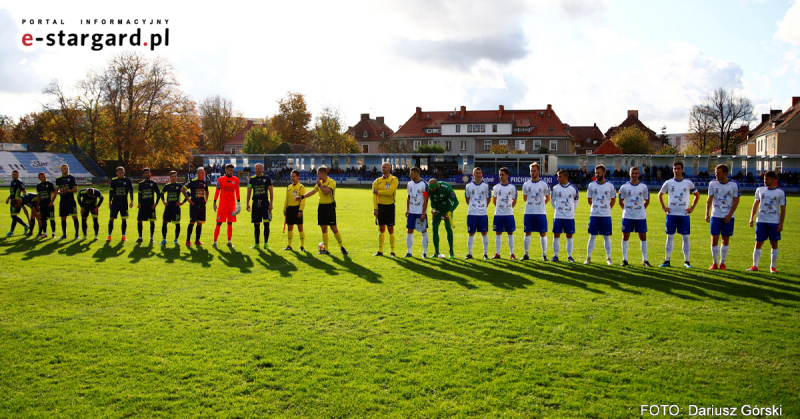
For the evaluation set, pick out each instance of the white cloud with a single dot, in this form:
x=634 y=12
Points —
x=789 y=26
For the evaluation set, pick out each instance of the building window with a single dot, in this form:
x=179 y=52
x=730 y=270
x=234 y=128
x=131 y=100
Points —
x=365 y=134
x=551 y=128
x=463 y=146
x=553 y=145
x=469 y=128
x=487 y=145
x=382 y=134
x=588 y=151
x=233 y=150
x=448 y=145
x=365 y=148
x=430 y=142
x=483 y=128
x=494 y=128
x=417 y=143
x=476 y=128
x=503 y=142
x=458 y=128
x=537 y=144
x=520 y=144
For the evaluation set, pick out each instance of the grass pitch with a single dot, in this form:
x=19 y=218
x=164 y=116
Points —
x=89 y=329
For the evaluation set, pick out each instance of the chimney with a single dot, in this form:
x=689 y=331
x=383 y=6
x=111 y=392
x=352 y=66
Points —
x=549 y=107
x=364 y=116
x=764 y=117
x=463 y=111
x=634 y=114
x=502 y=108
x=795 y=100
x=419 y=112
x=774 y=112
x=379 y=119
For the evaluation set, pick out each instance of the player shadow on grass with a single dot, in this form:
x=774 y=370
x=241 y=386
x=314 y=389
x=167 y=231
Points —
x=199 y=255
x=107 y=251
x=273 y=261
x=76 y=247
x=169 y=252
x=48 y=249
x=316 y=262
x=439 y=272
x=358 y=270
x=17 y=246
x=236 y=259
x=141 y=251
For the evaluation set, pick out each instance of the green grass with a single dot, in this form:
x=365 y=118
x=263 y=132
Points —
x=89 y=329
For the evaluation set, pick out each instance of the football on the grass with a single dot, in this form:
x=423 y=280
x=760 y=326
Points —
x=321 y=246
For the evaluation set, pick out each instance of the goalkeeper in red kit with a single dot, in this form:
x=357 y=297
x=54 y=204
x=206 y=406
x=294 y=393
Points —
x=228 y=187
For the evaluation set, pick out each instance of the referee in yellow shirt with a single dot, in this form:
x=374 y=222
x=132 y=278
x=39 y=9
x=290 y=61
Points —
x=326 y=216
x=293 y=209
x=383 y=196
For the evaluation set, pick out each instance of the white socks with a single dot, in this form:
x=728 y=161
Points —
x=425 y=243
x=607 y=245
x=774 y=259
x=498 y=241
x=723 y=253
x=643 y=245
x=589 y=247
x=410 y=242
x=543 y=241
x=686 y=245
x=556 y=246
x=756 y=257
x=470 y=243
x=715 y=253
x=527 y=243
x=624 y=250
x=511 y=243
x=570 y=246
x=485 y=243
x=670 y=245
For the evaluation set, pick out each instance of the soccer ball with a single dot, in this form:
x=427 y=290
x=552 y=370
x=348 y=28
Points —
x=321 y=246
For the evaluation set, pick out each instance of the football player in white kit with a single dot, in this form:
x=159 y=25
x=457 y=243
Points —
x=416 y=208
x=678 y=189
x=504 y=197
x=478 y=196
x=565 y=201
x=602 y=196
x=770 y=204
x=536 y=194
x=723 y=194
x=634 y=197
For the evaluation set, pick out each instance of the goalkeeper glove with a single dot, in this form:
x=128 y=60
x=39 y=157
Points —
x=238 y=209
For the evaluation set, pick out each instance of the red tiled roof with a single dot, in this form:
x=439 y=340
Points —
x=238 y=139
x=540 y=119
x=373 y=127
x=607 y=147
x=781 y=120
x=630 y=122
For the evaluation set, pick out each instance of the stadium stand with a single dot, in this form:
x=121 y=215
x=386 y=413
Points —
x=30 y=164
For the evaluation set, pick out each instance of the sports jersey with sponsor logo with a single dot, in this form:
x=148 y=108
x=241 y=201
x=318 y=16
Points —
x=149 y=193
x=679 y=194
x=86 y=199
x=172 y=193
x=260 y=186
x=198 y=189
x=505 y=194
x=536 y=192
x=17 y=188
x=601 y=195
x=291 y=192
x=443 y=199
x=417 y=191
x=771 y=200
x=723 y=194
x=227 y=190
x=634 y=196
x=478 y=195
x=45 y=190
x=330 y=198
x=387 y=189
x=564 y=199
x=119 y=190
x=65 y=183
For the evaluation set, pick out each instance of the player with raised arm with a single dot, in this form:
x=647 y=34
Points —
x=678 y=190
x=634 y=198
x=536 y=194
x=723 y=194
x=259 y=186
x=120 y=190
x=601 y=196
x=478 y=195
x=227 y=188
x=384 y=190
x=565 y=202
x=149 y=197
x=45 y=201
x=66 y=188
x=171 y=195
x=198 y=198
x=293 y=210
x=326 y=215
x=770 y=204
x=90 y=199
x=504 y=198
x=17 y=189
x=416 y=211
x=443 y=202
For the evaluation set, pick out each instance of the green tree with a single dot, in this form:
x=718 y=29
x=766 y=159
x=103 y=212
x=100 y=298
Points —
x=632 y=140
x=261 y=140
x=667 y=149
x=293 y=119
x=498 y=149
x=329 y=134
x=220 y=121
x=283 y=148
x=430 y=149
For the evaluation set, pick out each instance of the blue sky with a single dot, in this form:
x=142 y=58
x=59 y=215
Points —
x=591 y=59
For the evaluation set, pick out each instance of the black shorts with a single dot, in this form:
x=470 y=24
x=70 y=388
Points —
x=119 y=210
x=291 y=216
x=172 y=214
x=67 y=208
x=46 y=212
x=386 y=215
x=197 y=214
x=15 y=211
x=259 y=211
x=327 y=214
x=146 y=213
x=88 y=210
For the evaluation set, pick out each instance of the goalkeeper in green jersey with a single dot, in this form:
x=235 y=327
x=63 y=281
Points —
x=443 y=202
